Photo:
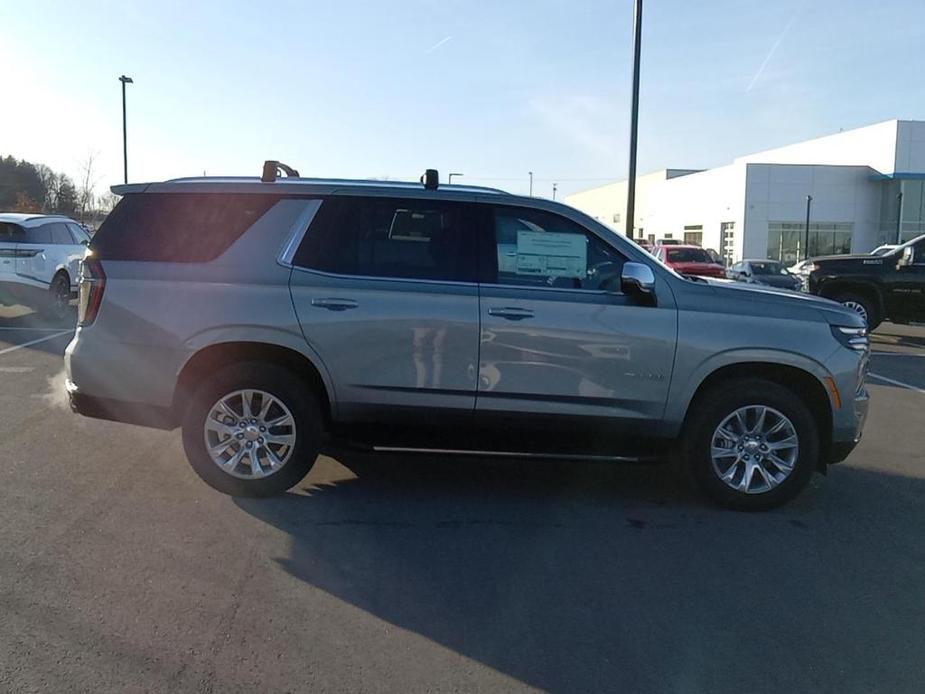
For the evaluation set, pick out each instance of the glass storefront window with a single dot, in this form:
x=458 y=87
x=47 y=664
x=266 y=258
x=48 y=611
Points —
x=786 y=240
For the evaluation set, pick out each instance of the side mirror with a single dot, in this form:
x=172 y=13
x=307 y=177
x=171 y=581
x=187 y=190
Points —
x=907 y=258
x=637 y=279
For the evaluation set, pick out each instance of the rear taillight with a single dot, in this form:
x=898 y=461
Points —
x=91 y=282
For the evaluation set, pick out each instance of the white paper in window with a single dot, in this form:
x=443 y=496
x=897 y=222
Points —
x=549 y=254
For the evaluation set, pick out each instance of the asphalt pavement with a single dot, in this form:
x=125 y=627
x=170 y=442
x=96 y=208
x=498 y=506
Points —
x=120 y=571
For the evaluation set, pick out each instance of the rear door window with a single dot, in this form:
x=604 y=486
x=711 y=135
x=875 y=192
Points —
x=39 y=235
x=177 y=227
x=393 y=238
x=79 y=234
x=60 y=235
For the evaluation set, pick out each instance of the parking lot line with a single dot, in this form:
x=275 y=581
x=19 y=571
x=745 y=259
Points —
x=35 y=342
x=34 y=330
x=897 y=383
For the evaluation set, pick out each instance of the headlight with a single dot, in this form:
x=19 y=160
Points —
x=852 y=338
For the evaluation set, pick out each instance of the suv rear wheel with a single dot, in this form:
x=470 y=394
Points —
x=751 y=444
x=252 y=429
x=57 y=303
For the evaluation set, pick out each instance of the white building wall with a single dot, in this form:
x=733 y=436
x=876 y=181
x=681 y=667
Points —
x=706 y=199
x=910 y=147
x=777 y=193
x=874 y=146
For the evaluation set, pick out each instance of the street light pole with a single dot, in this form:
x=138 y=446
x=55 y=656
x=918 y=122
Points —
x=554 y=186
x=634 y=120
x=899 y=216
x=809 y=205
x=449 y=179
x=124 y=80
x=531 y=183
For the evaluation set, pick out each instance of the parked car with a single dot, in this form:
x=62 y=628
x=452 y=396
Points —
x=768 y=272
x=39 y=257
x=689 y=260
x=269 y=318
x=878 y=288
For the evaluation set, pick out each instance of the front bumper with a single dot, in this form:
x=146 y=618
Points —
x=846 y=437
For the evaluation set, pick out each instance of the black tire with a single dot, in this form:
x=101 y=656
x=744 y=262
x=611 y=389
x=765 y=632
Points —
x=58 y=302
x=286 y=387
x=852 y=300
x=709 y=411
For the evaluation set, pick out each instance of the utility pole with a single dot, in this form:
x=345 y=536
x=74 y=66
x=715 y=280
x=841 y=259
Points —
x=554 y=186
x=899 y=215
x=124 y=80
x=634 y=121
x=809 y=206
x=531 y=183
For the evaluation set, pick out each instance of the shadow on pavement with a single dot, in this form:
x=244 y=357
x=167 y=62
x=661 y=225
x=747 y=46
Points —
x=596 y=577
x=893 y=334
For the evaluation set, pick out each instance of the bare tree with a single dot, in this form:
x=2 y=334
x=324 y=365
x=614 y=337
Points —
x=106 y=202
x=49 y=185
x=86 y=194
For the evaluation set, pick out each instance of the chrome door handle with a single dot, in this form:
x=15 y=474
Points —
x=334 y=304
x=510 y=312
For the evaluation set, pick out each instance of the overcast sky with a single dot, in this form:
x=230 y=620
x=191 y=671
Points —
x=492 y=89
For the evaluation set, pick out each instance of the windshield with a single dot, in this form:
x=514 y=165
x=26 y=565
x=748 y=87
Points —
x=688 y=255
x=768 y=268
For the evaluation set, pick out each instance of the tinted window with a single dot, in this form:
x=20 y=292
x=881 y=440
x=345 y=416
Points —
x=79 y=234
x=388 y=237
x=41 y=234
x=540 y=249
x=768 y=268
x=60 y=235
x=688 y=255
x=177 y=227
x=10 y=233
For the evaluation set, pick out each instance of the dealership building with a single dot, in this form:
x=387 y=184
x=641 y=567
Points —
x=862 y=188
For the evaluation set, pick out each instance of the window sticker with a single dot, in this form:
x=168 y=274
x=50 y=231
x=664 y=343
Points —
x=550 y=254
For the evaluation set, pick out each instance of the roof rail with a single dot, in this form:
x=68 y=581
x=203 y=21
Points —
x=272 y=169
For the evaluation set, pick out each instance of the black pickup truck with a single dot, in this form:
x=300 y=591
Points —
x=885 y=287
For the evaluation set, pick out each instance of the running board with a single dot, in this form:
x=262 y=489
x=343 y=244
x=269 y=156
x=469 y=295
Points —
x=512 y=454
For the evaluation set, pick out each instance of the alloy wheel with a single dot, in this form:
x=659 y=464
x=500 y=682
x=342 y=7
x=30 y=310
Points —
x=754 y=449
x=250 y=434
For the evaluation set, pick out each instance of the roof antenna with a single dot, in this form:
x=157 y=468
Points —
x=272 y=169
x=430 y=179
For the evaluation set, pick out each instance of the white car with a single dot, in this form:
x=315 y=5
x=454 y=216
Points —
x=883 y=250
x=39 y=256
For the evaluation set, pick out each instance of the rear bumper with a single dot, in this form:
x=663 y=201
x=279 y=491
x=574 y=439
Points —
x=118 y=410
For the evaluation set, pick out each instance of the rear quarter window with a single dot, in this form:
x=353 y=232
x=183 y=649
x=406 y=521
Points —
x=177 y=227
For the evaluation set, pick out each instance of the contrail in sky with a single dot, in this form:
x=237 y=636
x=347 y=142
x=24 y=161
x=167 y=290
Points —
x=770 y=54
x=438 y=44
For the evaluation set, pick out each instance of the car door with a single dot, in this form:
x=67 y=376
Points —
x=10 y=235
x=909 y=286
x=385 y=291
x=77 y=249
x=558 y=337
x=31 y=255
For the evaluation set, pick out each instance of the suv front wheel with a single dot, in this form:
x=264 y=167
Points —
x=751 y=444
x=252 y=429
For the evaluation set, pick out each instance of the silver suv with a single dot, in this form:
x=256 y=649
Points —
x=269 y=318
x=39 y=257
